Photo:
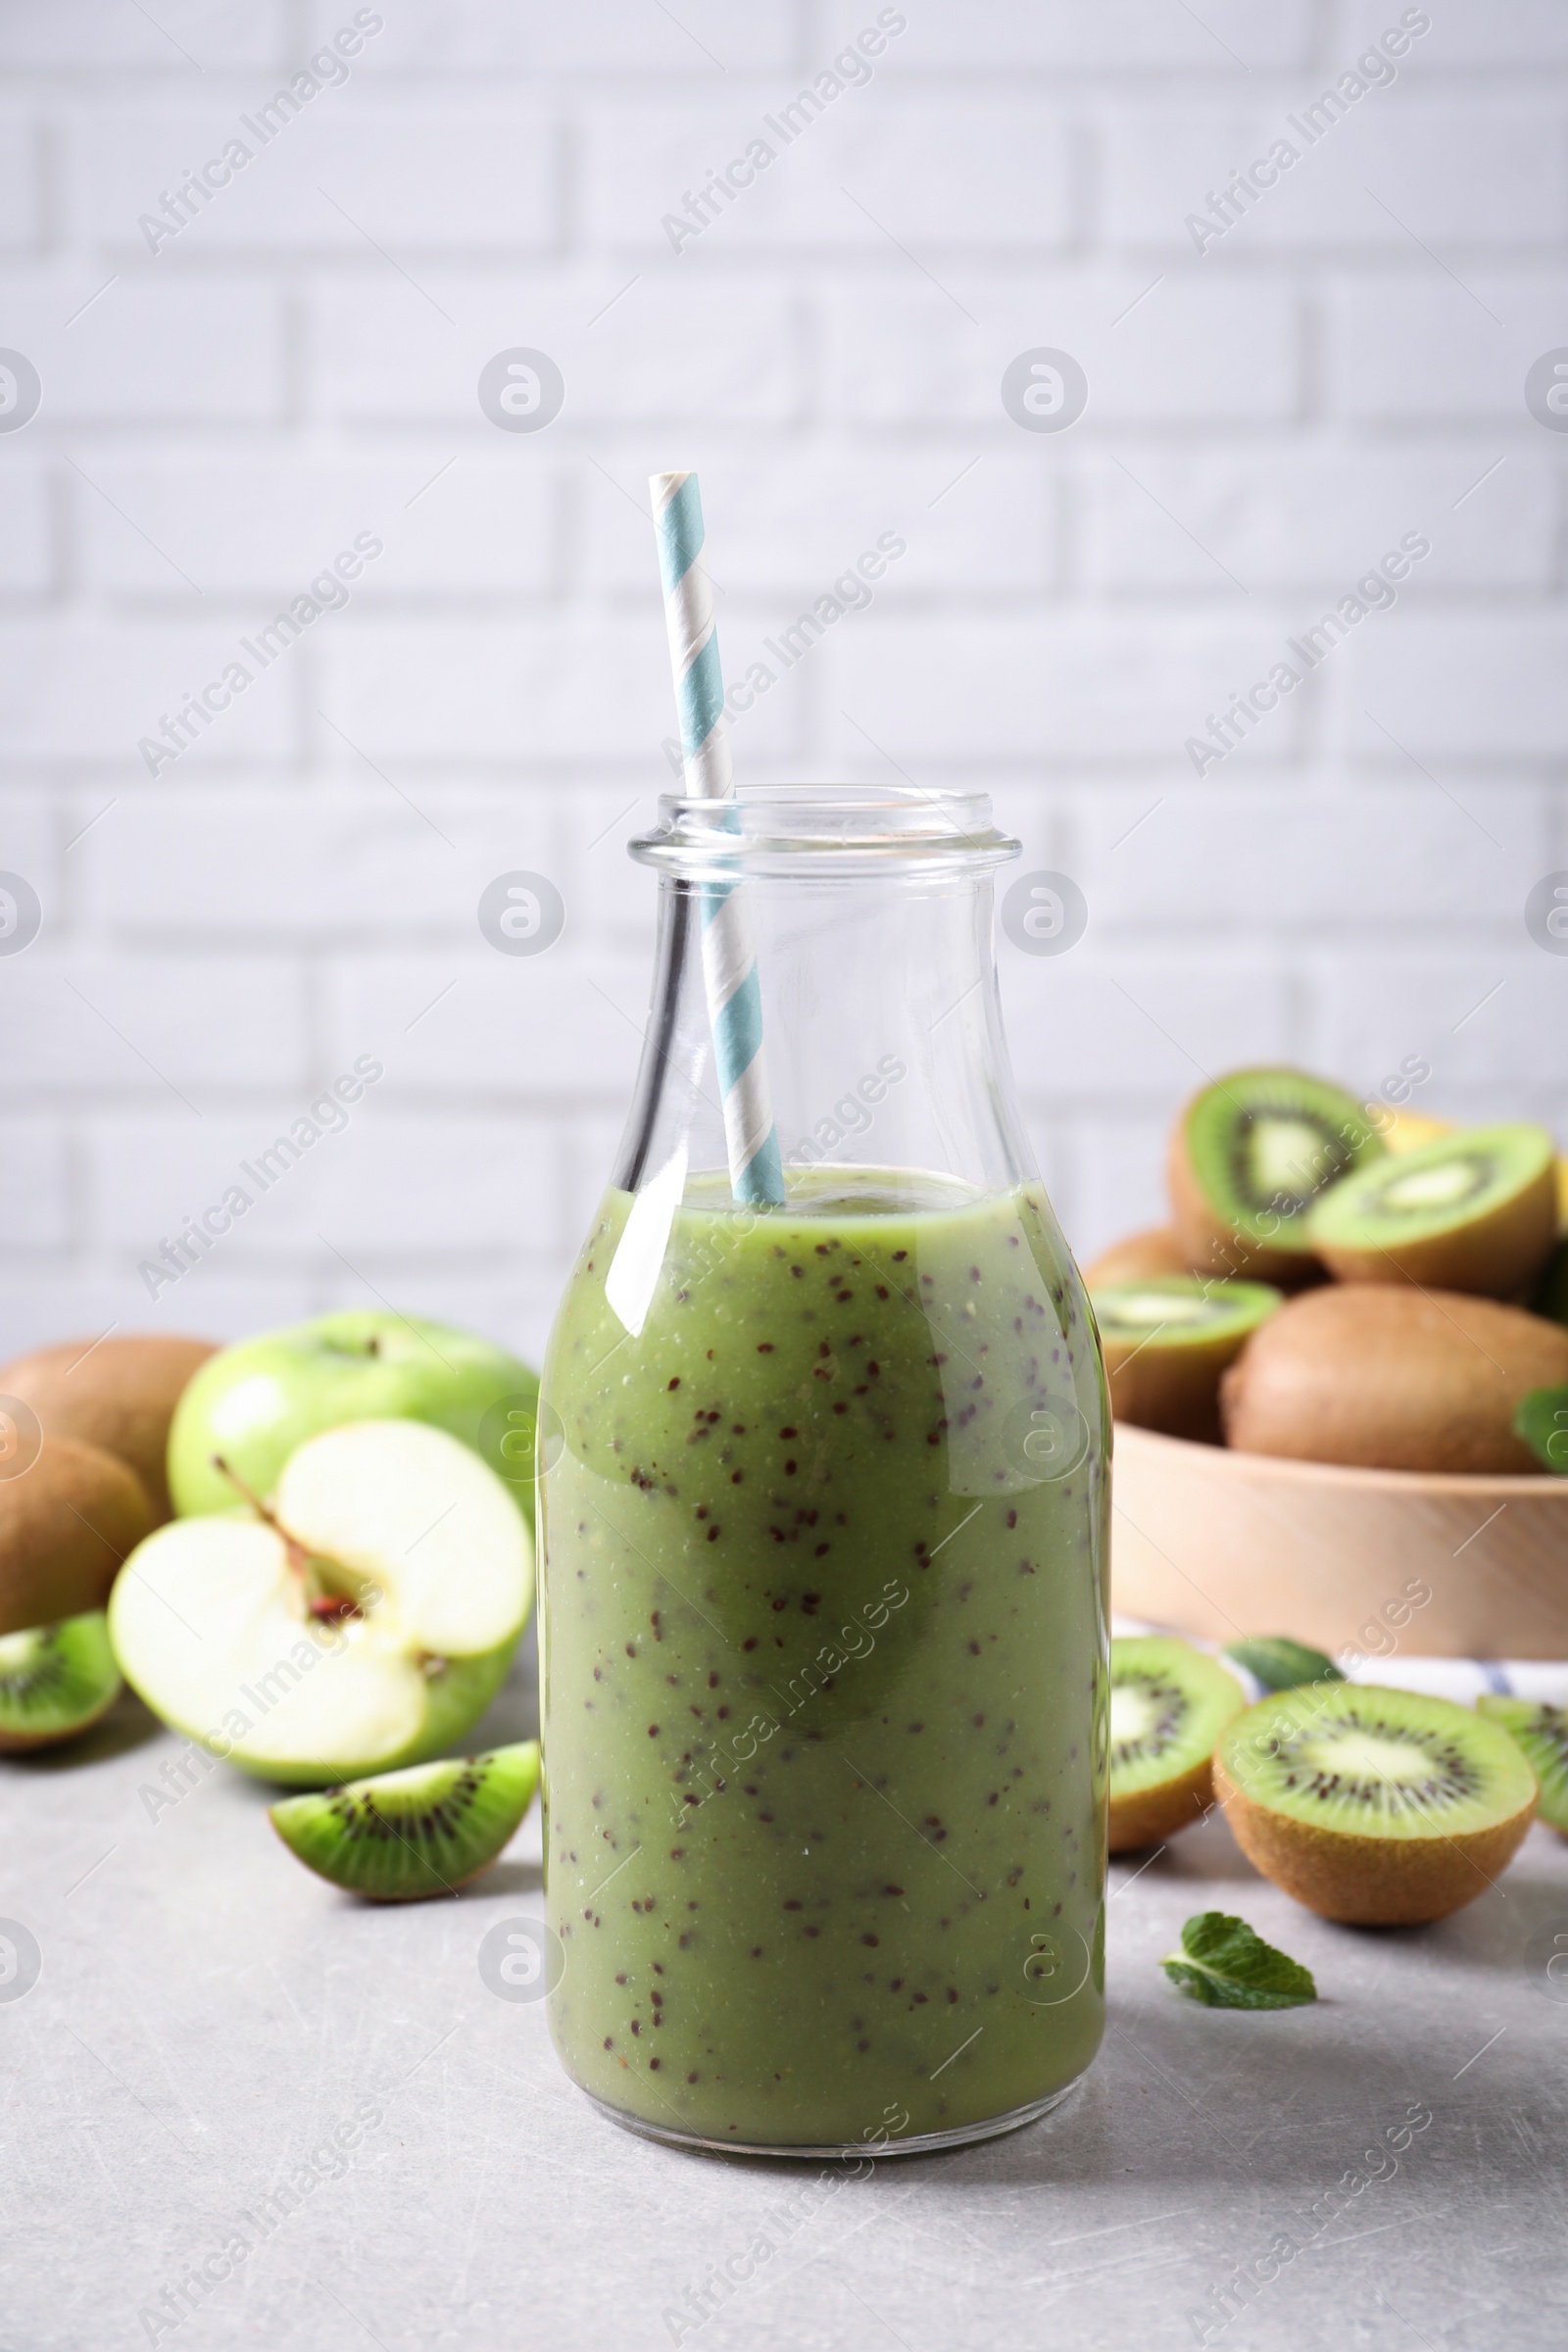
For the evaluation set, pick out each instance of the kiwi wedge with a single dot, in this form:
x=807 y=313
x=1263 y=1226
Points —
x=1392 y=1378
x=406 y=1834
x=1155 y=1251
x=1169 y=1705
x=1474 y=1211
x=1541 y=1731
x=1168 y=1340
x=1381 y=1808
x=1249 y=1157
x=55 y=1679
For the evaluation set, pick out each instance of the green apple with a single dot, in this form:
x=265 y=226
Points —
x=362 y=1622
x=254 y=1402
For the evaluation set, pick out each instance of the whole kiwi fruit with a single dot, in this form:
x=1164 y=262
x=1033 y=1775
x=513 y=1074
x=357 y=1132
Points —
x=117 y=1394
x=1392 y=1378
x=66 y=1523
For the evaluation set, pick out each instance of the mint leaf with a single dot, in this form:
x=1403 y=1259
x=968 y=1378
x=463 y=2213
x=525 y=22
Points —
x=1281 y=1664
x=1226 y=1965
x=1541 y=1420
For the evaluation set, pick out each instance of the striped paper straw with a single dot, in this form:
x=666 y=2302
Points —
x=729 y=963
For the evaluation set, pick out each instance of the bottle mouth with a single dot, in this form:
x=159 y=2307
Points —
x=825 y=829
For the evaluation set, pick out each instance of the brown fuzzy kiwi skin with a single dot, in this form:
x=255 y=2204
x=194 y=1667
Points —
x=118 y=1395
x=1151 y=1815
x=65 y=1526
x=1175 y=1390
x=1384 y=1377
x=1493 y=1256
x=1210 y=1245
x=1369 y=1881
x=1155 y=1251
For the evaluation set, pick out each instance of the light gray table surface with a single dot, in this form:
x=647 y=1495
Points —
x=207 y=2014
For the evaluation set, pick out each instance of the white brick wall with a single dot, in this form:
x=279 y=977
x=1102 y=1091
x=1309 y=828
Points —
x=298 y=364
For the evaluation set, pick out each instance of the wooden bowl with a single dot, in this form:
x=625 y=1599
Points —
x=1221 y=1543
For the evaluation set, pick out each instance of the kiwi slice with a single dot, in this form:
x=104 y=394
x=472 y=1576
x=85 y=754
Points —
x=55 y=1679
x=1474 y=1211
x=406 y=1834
x=1167 y=1341
x=1541 y=1731
x=1378 y=1807
x=1169 y=1705
x=1249 y=1155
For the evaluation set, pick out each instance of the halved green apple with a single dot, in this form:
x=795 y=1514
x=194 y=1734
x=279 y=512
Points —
x=361 y=1620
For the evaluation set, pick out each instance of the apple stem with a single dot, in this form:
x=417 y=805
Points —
x=249 y=1494
x=331 y=1607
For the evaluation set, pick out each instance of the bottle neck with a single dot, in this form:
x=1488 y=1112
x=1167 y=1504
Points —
x=882 y=1038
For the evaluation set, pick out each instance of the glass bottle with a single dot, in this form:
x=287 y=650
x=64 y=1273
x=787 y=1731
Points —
x=824 y=1507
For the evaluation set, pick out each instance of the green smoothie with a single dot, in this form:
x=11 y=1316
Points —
x=823 y=1664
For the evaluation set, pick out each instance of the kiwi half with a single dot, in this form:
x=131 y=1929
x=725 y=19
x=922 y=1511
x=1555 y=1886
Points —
x=1167 y=1341
x=406 y=1834
x=1541 y=1732
x=1474 y=1211
x=1378 y=1807
x=1169 y=1705
x=1249 y=1157
x=55 y=1679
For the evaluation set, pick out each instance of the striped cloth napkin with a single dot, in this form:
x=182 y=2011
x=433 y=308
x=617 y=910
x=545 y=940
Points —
x=1462 y=1679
